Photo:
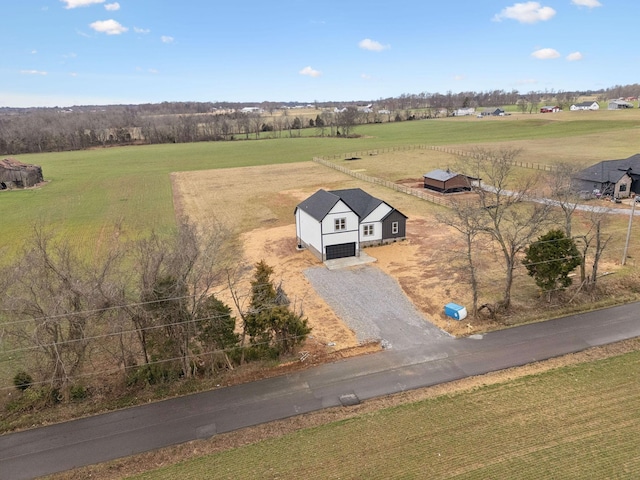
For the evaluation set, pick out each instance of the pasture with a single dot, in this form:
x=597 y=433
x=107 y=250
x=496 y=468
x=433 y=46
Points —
x=577 y=421
x=88 y=192
x=132 y=189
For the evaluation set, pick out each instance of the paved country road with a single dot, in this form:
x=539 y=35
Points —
x=112 y=435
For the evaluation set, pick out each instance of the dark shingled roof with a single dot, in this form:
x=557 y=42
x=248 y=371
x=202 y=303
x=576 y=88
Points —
x=358 y=200
x=610 y=170
x=320 y=203
x=584 y=104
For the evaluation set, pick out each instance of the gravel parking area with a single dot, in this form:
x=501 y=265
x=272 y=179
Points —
x=373 y=305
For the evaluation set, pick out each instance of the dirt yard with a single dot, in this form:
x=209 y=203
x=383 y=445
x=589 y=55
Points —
x=263 y=200
x=258 y=204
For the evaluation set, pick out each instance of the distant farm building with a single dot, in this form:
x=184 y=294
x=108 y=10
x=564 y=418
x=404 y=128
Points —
x=462 y=112
x=550 y=109
x=590 y=105
x=619 y=105
x=497 y=112
x=15 y=174
x=446 y=181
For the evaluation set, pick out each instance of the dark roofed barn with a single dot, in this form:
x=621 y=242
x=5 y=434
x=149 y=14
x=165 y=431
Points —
x=15 y=174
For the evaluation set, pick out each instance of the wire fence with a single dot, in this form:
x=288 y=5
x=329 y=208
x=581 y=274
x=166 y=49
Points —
x=385 y=183
x=329 y=161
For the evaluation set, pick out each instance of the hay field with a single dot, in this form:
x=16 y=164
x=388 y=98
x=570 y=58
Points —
x=579 y=421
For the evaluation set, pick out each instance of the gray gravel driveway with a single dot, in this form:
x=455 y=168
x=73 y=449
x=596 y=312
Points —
x=374 y=306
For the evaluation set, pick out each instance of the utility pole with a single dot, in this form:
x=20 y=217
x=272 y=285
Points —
x=626 y=244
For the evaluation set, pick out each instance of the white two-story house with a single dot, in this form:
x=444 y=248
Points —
x=336 y=224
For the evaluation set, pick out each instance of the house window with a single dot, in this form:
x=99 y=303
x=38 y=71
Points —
x=394 y=228
x=367 y=230
x=623 y=187
x=340 y=224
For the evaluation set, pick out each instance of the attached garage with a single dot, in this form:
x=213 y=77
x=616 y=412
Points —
x=341 y=251
x=339 y=223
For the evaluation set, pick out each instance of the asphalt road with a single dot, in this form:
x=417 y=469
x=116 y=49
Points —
x=105 y=437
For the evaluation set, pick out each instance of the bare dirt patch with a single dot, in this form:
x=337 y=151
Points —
x=259 y=202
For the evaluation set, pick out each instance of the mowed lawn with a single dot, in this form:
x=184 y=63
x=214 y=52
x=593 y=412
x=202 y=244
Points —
x=576 y=422
x=88 y=192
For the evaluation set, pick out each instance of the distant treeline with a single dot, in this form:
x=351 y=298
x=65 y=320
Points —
x=32 y=130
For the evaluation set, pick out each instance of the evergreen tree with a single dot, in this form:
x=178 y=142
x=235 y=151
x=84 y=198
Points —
x=273 y=328
x=551 y=259
x=217 y=332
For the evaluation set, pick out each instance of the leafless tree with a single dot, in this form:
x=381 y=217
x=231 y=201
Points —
x=176 y=276
x=509 y=218
x=466 y=217
x=57 y=301
x=563 y=193
x=593 y=239
x=347 y=120
x=533 y=100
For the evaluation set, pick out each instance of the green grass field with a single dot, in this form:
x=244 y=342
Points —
x=545 y=426
x=90 y=191
x=575 y=422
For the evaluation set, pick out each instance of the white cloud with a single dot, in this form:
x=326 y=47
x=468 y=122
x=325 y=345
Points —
x=365 y=76
x=153 y=70
x=73 y=74
x=110 y=27
x=32 y=72
x=112 y=7
x=574 y=57
x=141 y=30
x=529 y=12
x=310 y=72
x=458 y=78
x=80 y=3
x=372 y=45
x=545 y=54
x=33 y=52
x=587 y=3
x=166 y=39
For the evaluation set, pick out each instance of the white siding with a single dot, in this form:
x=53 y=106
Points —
x=308 y=229
x=377 y=232
x=350 y=234
x=378 y=214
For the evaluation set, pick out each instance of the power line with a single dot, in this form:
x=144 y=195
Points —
x=166 y=360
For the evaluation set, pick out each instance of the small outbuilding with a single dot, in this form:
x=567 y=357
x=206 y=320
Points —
x=15 y=174
x=338 y=223
x=446 y=181
x=619 y=105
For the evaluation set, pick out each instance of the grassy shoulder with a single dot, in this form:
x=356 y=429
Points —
x=575 y=416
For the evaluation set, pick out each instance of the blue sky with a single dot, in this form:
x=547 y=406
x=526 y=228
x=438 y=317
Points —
x=80 y=52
